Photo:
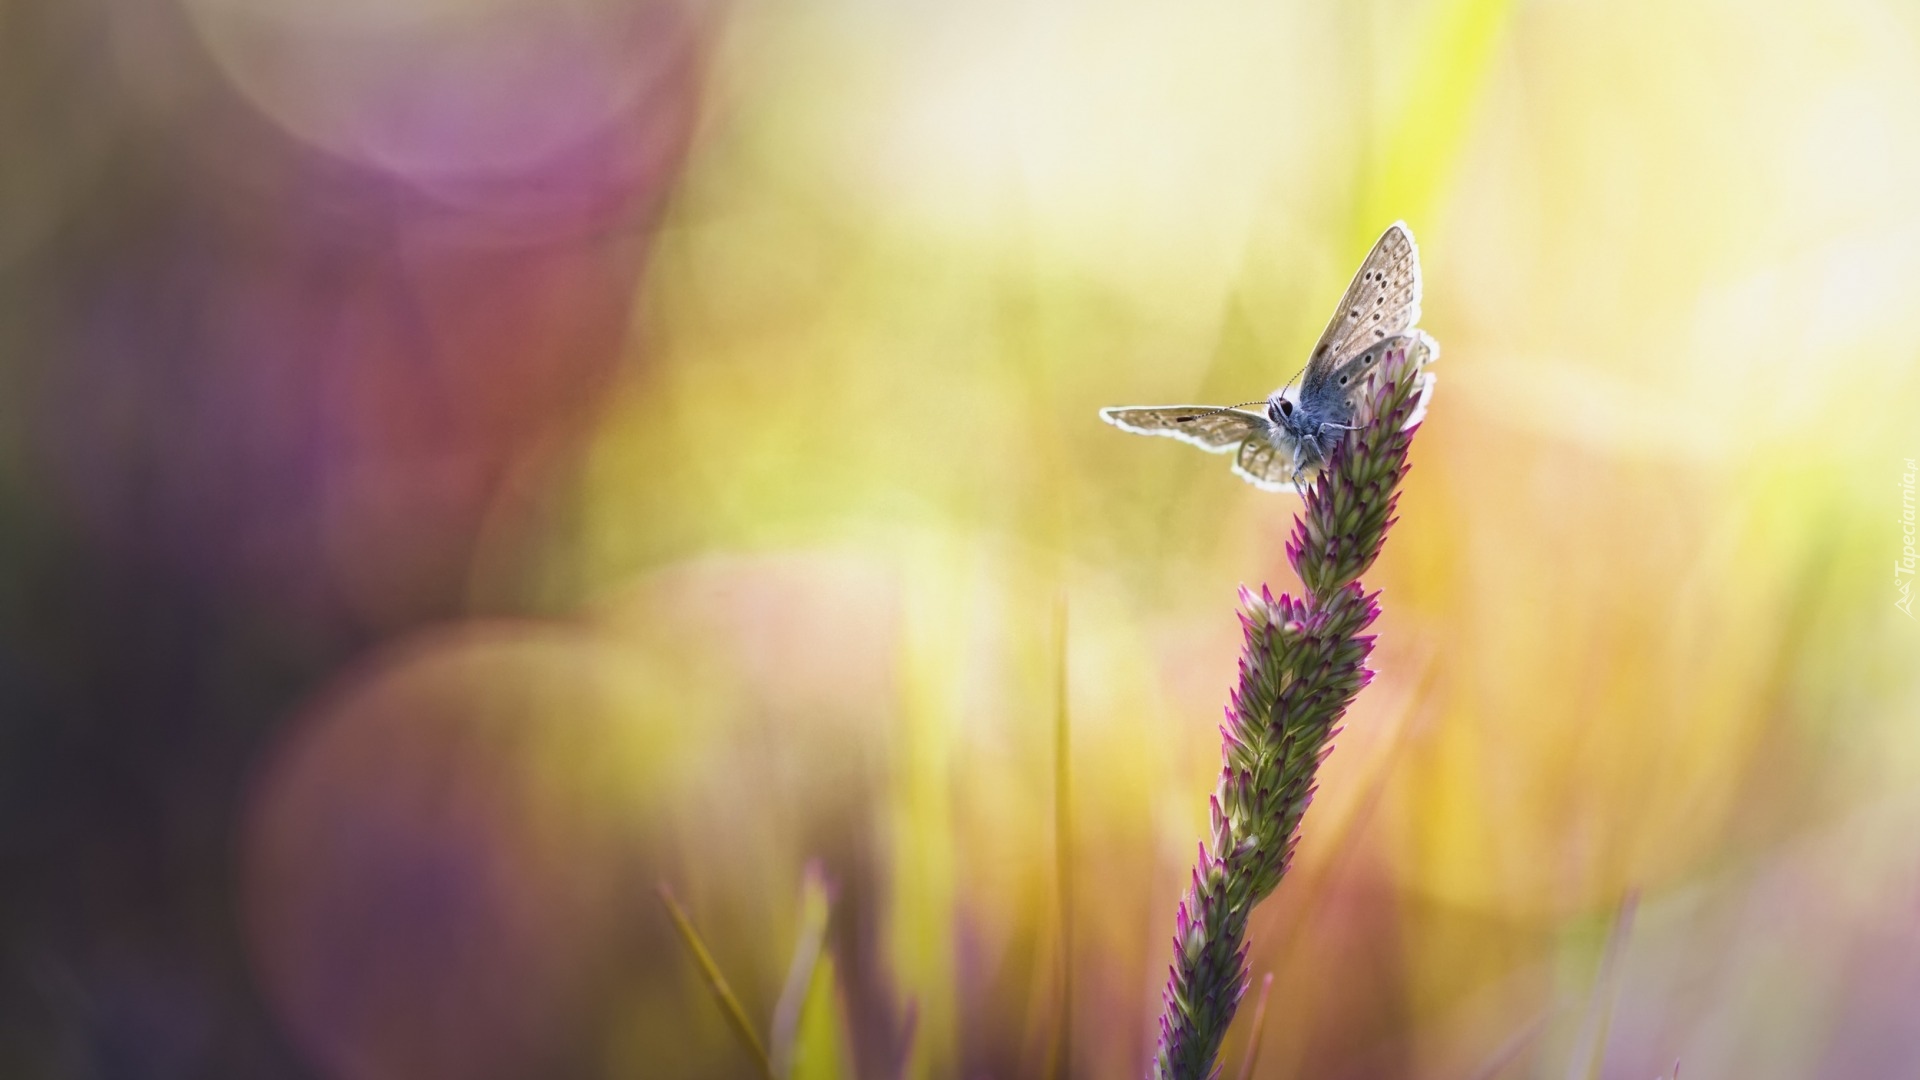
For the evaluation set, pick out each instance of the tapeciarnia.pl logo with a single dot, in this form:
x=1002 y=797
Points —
x=1903 y=567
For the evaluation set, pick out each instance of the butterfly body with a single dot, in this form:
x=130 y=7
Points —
x=1310 y=426
x=1280 y=447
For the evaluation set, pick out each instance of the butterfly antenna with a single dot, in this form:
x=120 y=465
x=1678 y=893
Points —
x=1215 y=412
x=1296 y=375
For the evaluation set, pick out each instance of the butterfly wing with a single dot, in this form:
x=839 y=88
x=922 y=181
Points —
x=1350 y=377
x=1267 y=465
x=1211 y=429
x=1383 y=300
x=1426 y=351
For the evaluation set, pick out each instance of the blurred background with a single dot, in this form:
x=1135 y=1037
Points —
x=464 y=463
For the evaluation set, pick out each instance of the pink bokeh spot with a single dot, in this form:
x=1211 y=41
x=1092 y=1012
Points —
x=514 y=109
x=422 y=896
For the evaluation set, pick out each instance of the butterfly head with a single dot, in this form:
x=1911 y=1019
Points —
x=1280 y=407
x=1288 y=414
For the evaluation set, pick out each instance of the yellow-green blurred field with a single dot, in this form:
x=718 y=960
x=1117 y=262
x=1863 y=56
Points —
x=464 y=463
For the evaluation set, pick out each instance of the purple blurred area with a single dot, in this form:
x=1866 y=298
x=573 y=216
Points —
x=291 y=298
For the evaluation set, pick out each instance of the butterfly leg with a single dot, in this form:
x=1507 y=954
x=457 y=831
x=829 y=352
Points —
x=1325 y=444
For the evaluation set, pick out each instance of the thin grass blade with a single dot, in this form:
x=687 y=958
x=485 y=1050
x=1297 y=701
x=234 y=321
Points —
x=816 y=904
x=1259 y=1029
x=717 y=983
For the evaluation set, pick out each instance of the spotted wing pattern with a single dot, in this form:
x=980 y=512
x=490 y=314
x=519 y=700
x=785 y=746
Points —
x=1353 y=376
x=1208 y=427
x=1265 y=465
x=1382 y=300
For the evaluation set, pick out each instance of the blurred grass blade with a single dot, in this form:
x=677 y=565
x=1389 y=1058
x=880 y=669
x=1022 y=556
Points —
x=798 y=995
x=1510 y=1050
x=909 y=1035
x=729 y=1005
x=1062 y=1057
x=942 y=610
x=1591 y=1048
x=1259 y=1029
x=820 y=1046
x=1458 y=48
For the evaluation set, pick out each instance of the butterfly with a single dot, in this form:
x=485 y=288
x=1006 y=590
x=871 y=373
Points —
x=1282 y=449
